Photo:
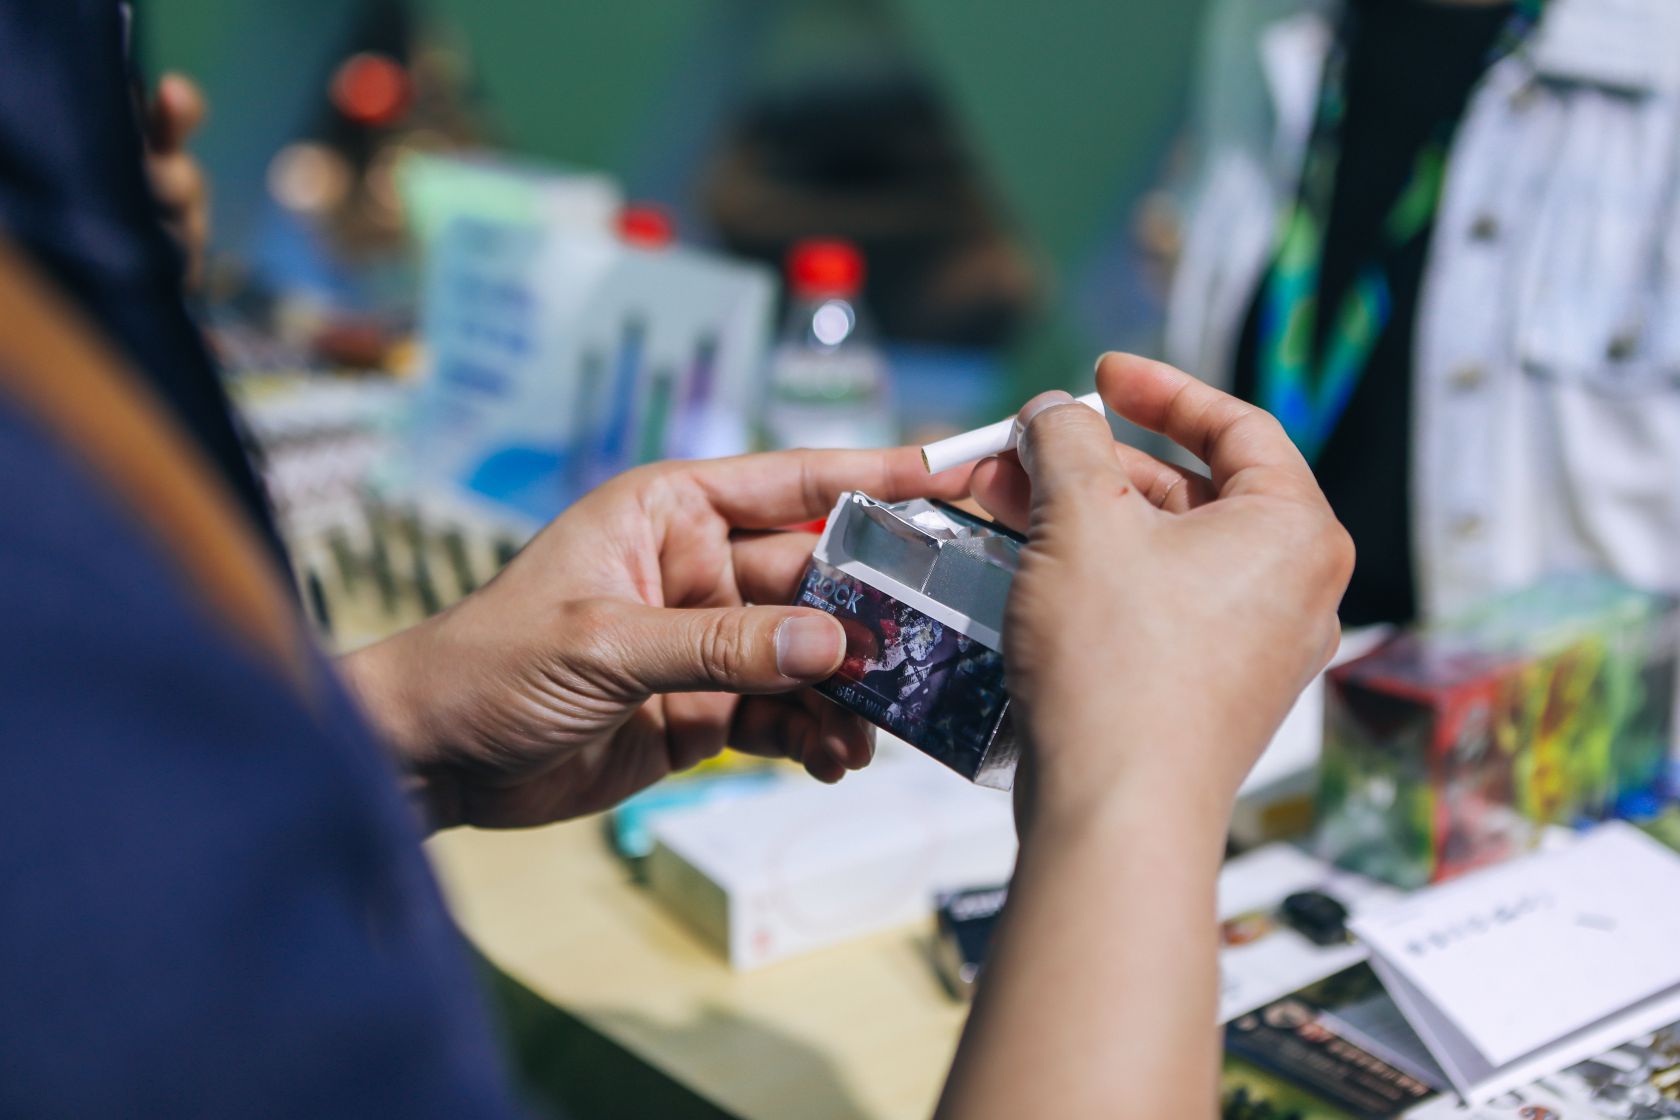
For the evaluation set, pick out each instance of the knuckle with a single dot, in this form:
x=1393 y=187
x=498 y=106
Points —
x=647 y=475
x=723 y=645
x=1264 y=421
x=811 y=490
x=692 y=746
x=696 y=752
x=1177 y=410
x=1068 y=417
x=647 y=487
x=593 y=623
x=1234 y=418
x=1342 y=555
x=1213 y=419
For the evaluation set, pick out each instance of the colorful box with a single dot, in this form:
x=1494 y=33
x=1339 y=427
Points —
x=1448 y=747
x=1415 y=783
x=1595 y=706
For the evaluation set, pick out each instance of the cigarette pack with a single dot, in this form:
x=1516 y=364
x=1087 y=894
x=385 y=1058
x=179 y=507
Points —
x=920 y=588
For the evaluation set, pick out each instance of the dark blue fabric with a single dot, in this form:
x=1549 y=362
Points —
x=74 y=196
x=212 y=898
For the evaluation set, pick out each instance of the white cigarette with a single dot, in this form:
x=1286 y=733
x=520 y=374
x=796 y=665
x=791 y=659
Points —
x=993 y=439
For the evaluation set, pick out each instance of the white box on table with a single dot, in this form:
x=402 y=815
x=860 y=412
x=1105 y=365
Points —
x=811 y=866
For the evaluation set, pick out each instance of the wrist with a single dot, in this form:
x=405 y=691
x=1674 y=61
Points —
x=1126 y=821
x=389 y=683
x=1162 y=802
x=387 y=680
x=1181 y=762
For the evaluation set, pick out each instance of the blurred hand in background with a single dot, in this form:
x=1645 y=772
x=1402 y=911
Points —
x=176 y=112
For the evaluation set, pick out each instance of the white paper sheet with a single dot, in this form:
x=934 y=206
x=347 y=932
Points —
x=1510 y=973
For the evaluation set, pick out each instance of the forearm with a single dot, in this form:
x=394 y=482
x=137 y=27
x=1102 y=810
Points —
x=1099 y=997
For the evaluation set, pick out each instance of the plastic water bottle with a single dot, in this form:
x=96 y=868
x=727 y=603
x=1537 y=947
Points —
x=828 y=380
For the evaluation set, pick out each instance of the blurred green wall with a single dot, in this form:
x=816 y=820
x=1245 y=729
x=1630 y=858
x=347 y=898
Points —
x=1063 y=98
x=1066 y=101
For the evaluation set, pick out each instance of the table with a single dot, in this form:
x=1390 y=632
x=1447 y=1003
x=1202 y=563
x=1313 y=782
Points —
x=863 y=1031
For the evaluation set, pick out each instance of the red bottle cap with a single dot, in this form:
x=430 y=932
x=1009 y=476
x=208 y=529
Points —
x=646 y=226
x=372 y=89
x=825 y=267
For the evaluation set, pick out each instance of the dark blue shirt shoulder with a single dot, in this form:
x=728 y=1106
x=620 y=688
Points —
x=212 y=897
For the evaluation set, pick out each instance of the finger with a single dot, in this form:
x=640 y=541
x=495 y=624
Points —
x=1003 y=490
x=1166 y=486
x=1001 y=486
x=781 y=727
x=786 y=487
x=196 y=238
x=696 y=727
x=178 y=182
x=723 y=649
x=769 y=567
x=615 y=770
x=177 y=112
x=764 y=726
x=847 y=738
x=1067 y=451
x=1244 y=447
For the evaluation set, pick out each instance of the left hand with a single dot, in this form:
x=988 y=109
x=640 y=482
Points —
x=620 y=645
x=175 y=114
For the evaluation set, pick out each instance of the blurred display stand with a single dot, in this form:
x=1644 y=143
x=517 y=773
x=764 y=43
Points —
x=559 y=356
x=438 y=190
x=407 y=462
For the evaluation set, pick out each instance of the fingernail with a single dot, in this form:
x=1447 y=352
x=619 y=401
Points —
x=1041 y=402
x=1035 y=406
x=809 y=647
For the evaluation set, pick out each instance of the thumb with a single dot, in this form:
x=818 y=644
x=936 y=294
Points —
x=1067 y=451
x=177 y=111
x=726 y=649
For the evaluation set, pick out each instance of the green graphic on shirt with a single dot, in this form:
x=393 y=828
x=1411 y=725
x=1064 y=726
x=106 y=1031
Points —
x=1307 y=386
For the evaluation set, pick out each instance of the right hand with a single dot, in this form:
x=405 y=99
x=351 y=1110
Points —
x=1162 y=622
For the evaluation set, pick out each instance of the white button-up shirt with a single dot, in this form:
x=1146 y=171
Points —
x=1546 y=374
